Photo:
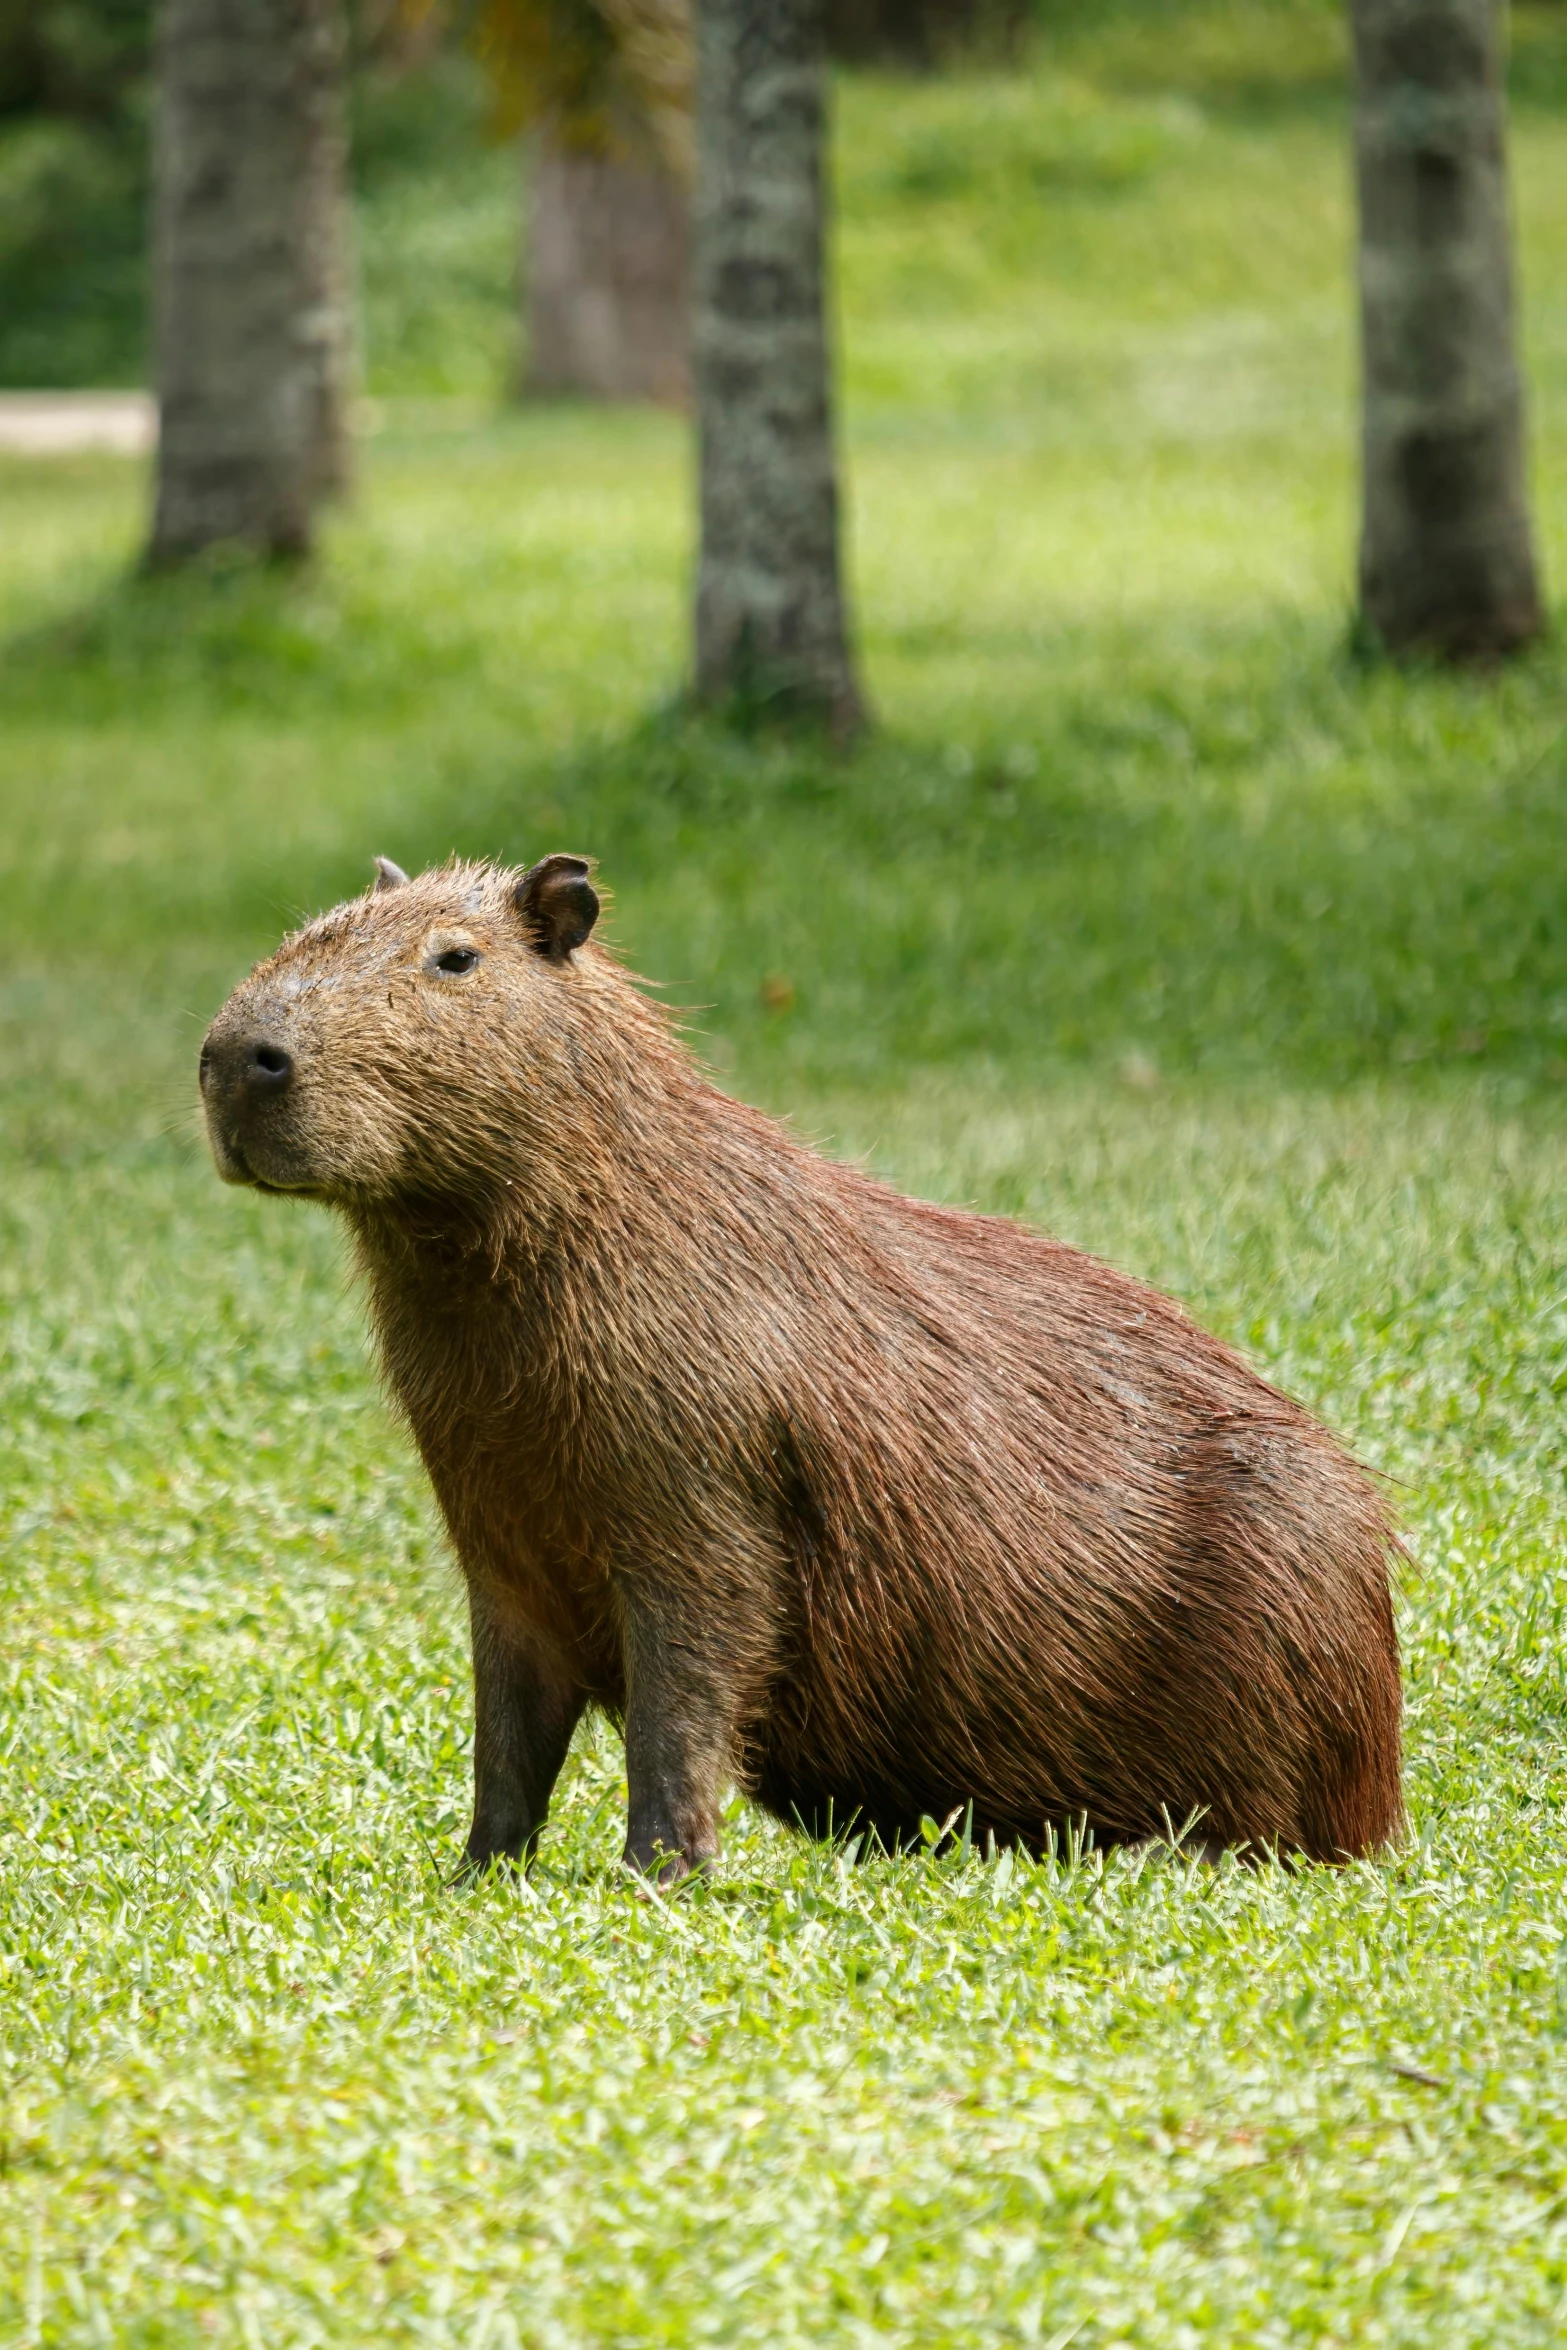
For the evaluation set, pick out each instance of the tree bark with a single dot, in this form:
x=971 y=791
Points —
x=770 y=623
x=609 y=275
x=250 y=267
x=1446 y=559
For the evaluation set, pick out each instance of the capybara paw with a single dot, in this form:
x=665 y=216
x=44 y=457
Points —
x=659 y=1868
x=501 y=1861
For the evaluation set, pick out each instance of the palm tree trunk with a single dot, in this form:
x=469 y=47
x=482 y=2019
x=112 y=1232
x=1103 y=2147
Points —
x=770 y=625
x=1446 y=561
x=252 y=312
x=609 y=274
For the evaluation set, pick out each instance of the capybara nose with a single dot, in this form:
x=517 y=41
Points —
x=264 y=1067
x=256 y=1065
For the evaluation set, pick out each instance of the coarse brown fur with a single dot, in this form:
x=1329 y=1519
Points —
x=883 y=1509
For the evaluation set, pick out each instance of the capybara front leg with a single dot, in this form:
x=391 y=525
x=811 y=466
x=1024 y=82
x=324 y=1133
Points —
x=524 y=1711
x=684 y=1681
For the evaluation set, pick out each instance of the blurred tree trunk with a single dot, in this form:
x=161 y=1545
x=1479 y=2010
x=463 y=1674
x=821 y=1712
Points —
x=770 y=623
x=608 y=273
x=1446 y=559
x=250 y=273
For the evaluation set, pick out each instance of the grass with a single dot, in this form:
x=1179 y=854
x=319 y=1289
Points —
x=1148 y=916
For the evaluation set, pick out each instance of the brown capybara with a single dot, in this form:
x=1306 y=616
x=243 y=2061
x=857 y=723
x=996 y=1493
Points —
x=880 y=1509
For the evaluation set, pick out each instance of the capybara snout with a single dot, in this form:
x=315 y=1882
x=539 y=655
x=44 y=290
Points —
x=241 y=1078
x=881 y=1509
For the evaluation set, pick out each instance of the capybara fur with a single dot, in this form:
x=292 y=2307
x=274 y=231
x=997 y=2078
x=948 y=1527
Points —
x=881 y=1510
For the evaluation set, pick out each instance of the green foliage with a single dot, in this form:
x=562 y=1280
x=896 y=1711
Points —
x=947 y=181
x=80 y=58
x=1148 y=916
x=597 y=74
x=438 y=223
x=73 y=190
x=1031 y=145
x=1249 y=55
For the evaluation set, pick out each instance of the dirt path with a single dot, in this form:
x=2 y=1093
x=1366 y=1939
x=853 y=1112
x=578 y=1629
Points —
x=54 y=424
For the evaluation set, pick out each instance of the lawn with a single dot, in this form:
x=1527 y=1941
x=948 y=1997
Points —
x=1147 y=915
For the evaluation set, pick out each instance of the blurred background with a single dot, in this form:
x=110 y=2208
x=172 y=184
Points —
x=1133 y=799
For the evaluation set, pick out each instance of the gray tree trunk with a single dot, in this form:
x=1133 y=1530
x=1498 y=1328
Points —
x=770 y=623
x=608 y=276
x=250 y=273
x=1446 y=560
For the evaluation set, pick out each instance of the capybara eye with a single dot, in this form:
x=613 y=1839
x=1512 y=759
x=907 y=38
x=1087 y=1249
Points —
x=456 y=960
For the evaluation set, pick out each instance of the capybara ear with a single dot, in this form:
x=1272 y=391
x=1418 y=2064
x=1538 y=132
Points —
x=388 y=875
x=558 y=903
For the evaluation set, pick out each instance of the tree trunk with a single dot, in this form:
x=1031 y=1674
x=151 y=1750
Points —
x=770 y=624
x=609 y=275
x=1446 y=559
x=251 y=299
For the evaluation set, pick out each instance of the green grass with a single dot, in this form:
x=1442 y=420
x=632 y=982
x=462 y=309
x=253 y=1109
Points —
x=1147 y=916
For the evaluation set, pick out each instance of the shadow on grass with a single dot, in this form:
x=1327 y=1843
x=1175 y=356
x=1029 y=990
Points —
x=1113 y=885
x=231 y=630
x=1181 y=846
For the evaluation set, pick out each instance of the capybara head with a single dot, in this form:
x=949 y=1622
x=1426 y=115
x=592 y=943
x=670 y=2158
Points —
x=384 y=1047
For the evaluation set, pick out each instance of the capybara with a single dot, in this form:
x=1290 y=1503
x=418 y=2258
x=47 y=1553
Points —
x=881 y=1510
